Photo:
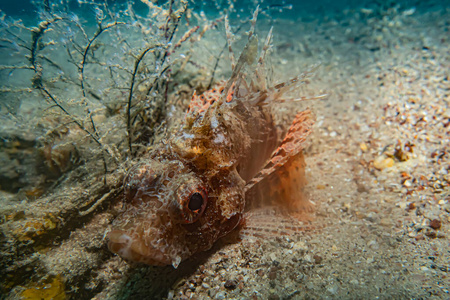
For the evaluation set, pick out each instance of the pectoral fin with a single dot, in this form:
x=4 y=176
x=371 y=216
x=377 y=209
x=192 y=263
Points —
x=283 y=177
x=290 y=147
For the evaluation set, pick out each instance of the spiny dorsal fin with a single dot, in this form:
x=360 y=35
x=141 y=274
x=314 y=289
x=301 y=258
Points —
x=253 y=22
x=260 y=73
x=247 y=56
x=230 y=43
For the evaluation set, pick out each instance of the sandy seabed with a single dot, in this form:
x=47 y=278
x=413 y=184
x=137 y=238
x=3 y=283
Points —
x=378 y=168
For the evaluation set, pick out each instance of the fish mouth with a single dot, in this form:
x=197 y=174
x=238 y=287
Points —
x=134 y=249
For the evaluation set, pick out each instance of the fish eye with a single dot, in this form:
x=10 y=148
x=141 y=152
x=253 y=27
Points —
x=195 y=202
x=194 y=205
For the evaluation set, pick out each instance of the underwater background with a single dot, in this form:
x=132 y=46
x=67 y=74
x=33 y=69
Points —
x=83 y=95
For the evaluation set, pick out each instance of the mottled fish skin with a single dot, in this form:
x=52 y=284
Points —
x=194 y=188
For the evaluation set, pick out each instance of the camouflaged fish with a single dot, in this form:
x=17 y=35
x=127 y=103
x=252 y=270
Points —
x=227 y=157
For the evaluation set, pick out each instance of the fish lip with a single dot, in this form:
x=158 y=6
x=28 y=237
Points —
x=129 y=248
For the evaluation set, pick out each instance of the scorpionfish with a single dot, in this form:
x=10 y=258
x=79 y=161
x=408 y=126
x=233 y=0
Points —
x=227 y=157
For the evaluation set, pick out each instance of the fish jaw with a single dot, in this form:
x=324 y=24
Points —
x=132 y=249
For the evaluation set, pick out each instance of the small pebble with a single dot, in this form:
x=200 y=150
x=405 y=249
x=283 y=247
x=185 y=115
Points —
x=332 y=289
x=230 y=284
x=411 y=206
x=383 y=162
x=419 y=237
x=272 y=275
x=317 y=259
x=435 y=224
x=431 y=234
x=363 y=147
x=205 y=285
x=273 y=256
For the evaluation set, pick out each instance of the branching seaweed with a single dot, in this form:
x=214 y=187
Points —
x=130 y=94
x=81 y=52
x=99 y=31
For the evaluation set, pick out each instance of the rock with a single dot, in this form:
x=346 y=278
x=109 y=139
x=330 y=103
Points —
x=230 y=284
x=317 y=259
x=363 y=147
x=383 y=162
x=435 y=224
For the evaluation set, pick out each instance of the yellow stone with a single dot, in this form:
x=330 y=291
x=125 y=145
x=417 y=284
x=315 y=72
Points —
x=53 y=289
x=363 y=147
x=383 y=162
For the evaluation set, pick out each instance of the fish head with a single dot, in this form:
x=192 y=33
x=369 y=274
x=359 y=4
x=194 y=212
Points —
x=171 y=213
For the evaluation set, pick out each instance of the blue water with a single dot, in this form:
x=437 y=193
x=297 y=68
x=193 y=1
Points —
x=307 y=10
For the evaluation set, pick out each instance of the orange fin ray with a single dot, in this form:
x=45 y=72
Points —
x=272 y=222
x=293 y=144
